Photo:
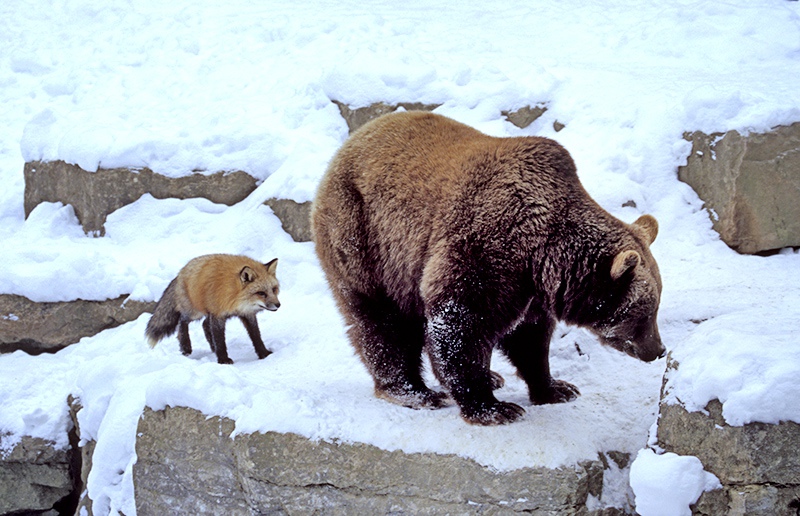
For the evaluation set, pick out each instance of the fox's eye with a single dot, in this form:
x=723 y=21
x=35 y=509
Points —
x=275 y=290
x=261 y=294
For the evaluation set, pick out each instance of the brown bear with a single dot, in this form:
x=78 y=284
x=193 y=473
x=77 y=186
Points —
x=437 y=238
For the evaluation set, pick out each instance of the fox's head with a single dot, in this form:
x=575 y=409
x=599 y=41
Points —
x=260 y=288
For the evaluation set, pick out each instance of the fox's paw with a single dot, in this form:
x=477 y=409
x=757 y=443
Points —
x=263 y=354
x=497 y=413
x=225 y=360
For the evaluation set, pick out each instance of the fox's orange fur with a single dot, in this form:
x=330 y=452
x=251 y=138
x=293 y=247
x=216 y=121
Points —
x=216 y=287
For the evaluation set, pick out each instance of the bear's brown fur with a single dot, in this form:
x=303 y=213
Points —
x=436 y=237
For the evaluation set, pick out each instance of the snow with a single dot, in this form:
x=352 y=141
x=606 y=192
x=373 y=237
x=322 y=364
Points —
x=667 y=484
x=209 y=86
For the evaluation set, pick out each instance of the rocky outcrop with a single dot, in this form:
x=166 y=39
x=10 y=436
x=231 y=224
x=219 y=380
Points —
x=94 y=195
x=750 y=185
x=187 y=460
x=294 y=217
x=758 y=464
x=48 y=327
x=36 y=476
x=356 y=117
x=83 y=451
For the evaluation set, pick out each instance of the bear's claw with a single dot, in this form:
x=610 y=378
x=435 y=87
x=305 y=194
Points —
x=499 y=413
x=497 y=380
x=558 y=391
x=416 y=399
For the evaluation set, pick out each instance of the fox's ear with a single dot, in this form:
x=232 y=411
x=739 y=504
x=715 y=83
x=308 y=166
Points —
x=247 y=275
x=271 y=265
x=624 y=262
x=649 y=225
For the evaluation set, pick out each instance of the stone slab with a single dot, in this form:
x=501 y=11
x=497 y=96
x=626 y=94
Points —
x=48 y=327
x=758 y=464
x=750 y=185
x=295 y=217
x=35 y=476
x=755 y=453
x=525 y=116
x=94 y=195
x=189 y=462
x=356 y=117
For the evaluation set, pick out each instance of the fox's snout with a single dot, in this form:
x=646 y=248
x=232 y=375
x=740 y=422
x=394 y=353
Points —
x=272 y=307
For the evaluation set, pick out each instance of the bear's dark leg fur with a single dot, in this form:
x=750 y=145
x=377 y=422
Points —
x=216 y=327
x=183 y=336
x=390 y=344
x=460 y=356
x=251 y=325
x=528 y=349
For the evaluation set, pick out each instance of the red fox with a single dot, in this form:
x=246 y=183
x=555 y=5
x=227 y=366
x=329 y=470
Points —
x=217 y=287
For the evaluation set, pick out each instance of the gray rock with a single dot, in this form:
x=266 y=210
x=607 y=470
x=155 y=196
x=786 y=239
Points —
x=83 y=460
x=295 y=217
x=48 y=327
x=750 y=184
x=356 y=117
x=758 y=464
x=35 y=477
x=185 y=465
x=188 y=461
x=749 y=454
x=525 y=116
x=94 y=195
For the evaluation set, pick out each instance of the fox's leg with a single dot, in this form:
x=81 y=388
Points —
x=390 y=343
x=216 y=327
x=251 y=325
x=183 y=337
x=207 y=331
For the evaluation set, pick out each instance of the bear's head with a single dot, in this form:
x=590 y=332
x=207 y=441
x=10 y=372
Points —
x=628 y=309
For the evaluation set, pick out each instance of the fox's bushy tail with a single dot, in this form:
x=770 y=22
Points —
x=165 y=317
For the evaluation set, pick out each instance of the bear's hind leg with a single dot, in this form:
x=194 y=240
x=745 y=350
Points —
x=390 y=344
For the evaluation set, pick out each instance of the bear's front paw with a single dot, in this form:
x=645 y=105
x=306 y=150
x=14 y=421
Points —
x=558 y=391
x=415 y=398
x=497 y=413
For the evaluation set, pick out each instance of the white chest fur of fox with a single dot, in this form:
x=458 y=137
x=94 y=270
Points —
x=216 y=287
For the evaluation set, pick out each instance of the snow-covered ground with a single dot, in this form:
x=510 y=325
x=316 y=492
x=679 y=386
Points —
x=210 y=86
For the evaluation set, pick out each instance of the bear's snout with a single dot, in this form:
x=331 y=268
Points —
x=651 y=351
x=647 y=347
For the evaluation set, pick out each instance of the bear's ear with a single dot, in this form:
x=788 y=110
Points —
x=649 y=225
x=247 y=275
x=624 y=262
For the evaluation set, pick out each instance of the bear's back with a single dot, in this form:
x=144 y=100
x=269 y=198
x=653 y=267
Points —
x=406 y=182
